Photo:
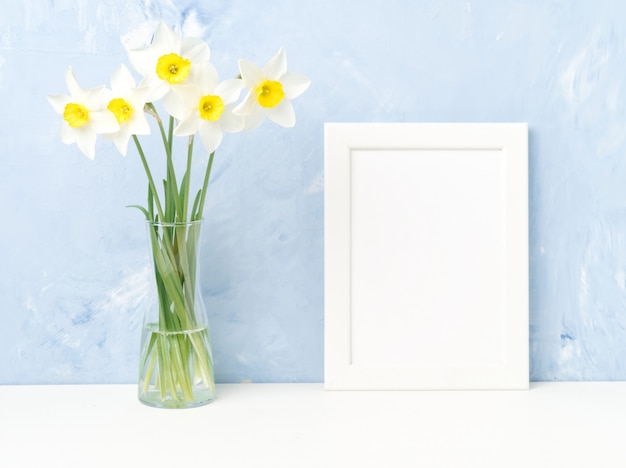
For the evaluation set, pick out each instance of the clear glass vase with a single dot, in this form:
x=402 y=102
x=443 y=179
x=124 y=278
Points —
x=176 y=364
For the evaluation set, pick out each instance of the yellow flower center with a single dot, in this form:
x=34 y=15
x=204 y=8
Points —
x=76 y=115
x=269 y=93
x=211 y=107
x=173 y=68
x=121 y=109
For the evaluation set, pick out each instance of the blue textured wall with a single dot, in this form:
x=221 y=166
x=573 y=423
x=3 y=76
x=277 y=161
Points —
x=74 y=260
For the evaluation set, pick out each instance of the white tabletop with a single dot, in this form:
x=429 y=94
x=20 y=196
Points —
x=301 y=425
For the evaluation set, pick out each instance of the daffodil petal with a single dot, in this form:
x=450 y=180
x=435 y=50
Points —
x=121 y=142
x=230 y=122
x=68 y=134
x=188 y=126
x=195 y=49
x=122 y=79
x=86 y=142
x=165 y=39
x=247 y=106
x=294 y=84
x=211 y=136
x=72 y=84
x=59 y=101
x=179 y=102
x=204 y=76
x=253 y=120
x=143 y=60
x=157 y=87
x=120 y=139
x=251 y=75
x=93 y=98
x=277 y=66
x=229 y=90
x=137 y=97
x=103 y=122
x=138 y=124
x=282 y=114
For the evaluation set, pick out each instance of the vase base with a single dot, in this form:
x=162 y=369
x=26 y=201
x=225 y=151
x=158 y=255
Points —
x=176 y=369
x=153 y=399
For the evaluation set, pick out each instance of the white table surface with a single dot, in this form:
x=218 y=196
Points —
x=301 y=425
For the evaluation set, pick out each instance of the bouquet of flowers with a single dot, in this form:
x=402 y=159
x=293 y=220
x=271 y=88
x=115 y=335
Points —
x=176 y=367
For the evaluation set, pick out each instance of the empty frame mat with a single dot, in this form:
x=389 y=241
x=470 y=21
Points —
x=426 y=256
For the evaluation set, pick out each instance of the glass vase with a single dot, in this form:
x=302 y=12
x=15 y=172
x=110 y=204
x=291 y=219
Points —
x=176 y=364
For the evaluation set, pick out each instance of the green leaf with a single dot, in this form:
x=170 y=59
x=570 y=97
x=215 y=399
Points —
x=142 y=209
x=170 y=206
x=150 y=202
x=182 y=199
x=196 y=202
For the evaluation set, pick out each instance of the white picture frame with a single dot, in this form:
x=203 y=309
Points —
x=426 y=256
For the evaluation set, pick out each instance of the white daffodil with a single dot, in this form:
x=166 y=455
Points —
x=206 y=107
x=126 y=102
x=168 y=61
x=84 y=115
x=271 y=89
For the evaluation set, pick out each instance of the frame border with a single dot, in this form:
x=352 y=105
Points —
x=340 y=139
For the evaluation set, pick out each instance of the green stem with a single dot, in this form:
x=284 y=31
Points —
x=148 y=366
x=171 y=174
x=167 y=241
x=207 y=175
x=187 y=177
x=170 y=134
x=149 y=175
